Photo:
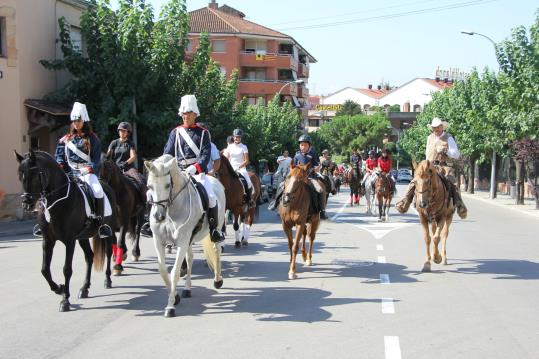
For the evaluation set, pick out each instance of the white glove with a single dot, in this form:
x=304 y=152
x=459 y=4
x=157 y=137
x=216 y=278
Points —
x=84 y=171
x=192 y=170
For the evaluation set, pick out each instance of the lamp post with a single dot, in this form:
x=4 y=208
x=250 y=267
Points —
x=288 y=83
x=493 y=161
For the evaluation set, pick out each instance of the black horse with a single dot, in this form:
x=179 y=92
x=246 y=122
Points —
x=131 y=207
x=62 y=217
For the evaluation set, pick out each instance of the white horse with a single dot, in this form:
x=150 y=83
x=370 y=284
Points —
x=177 y=217
x=369 y=191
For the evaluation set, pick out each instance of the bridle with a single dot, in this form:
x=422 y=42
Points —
x=165 y=203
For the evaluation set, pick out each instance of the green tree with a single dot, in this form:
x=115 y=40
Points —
x=349 y=108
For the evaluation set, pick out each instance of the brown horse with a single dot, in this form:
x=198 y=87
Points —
x=354 y=177
x=384 y=194
x=295 y=211
x=130 y=211
x=235 y=200
x=435 y=207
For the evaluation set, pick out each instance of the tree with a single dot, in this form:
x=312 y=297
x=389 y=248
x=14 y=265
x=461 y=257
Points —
x=349 y=108
x=526 y=155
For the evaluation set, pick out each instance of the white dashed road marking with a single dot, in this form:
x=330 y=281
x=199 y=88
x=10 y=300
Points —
x=384 y=279
x=392 y=346
x=379 y=247
x=388 y=307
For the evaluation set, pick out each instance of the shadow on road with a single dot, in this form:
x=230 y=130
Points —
x=503 y=268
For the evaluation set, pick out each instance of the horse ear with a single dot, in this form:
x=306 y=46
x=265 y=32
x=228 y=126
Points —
x=148 y=165
x=17 y=156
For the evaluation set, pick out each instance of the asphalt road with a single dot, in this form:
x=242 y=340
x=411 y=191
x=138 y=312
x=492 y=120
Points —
x=364 y=296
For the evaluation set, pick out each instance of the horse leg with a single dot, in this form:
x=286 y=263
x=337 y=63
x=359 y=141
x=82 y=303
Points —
x=108 y=251
x=48 y=249
x=186 y=293
x=119 y=252
x=138 y=220
x=313 y=227
x=380 y=201
x=160 y=250
x=237 y=219
x=89 y=258
x=173 y=298
x=444 y=235
x=68 y=271
x=436 y=229
x=247 y=226
x=426 y=237
x=303 y=251
x=295 y=247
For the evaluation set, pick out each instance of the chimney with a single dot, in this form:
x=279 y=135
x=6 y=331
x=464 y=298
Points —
x=370 y=86
x=387 y=87
x=379 y=87
x=213 y=5
x=406 y=107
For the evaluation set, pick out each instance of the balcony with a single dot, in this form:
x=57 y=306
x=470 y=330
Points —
x=266 y=87
x=303 y=91
x=303 y=71
x=282 y=61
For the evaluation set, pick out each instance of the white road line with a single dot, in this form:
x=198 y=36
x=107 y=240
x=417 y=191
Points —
x=387 y=306
x=393 y=348
x=384 y=279
x=379 y=247
x=340 y=211
x=381 y=259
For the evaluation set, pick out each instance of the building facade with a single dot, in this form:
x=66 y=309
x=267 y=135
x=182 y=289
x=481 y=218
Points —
x=28 y=33
x=268 y=62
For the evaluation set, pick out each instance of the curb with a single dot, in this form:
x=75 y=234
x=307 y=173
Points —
x=498 y=204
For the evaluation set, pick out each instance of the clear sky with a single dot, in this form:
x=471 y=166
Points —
x=386 y=40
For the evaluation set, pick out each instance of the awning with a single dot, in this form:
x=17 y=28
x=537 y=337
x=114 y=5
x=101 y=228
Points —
x=45 y=114
x=48 y=107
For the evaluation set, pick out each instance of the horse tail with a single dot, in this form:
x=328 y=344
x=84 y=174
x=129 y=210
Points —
x=98 y=245
x=212 y=253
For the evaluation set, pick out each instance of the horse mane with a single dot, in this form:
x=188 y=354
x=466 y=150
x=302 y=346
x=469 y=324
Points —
x=228 y=166
x=423 y=169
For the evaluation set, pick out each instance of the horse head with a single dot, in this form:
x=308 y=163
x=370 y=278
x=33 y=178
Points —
x=161 y=175
x=297 y=176
x=37 y=173
x=109 y=172
x=425 y=182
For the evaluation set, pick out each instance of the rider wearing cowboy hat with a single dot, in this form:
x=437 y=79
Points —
x=442 y=150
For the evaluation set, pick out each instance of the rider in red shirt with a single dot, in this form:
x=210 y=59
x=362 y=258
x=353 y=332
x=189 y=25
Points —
x=384 y=165
x=371 y=162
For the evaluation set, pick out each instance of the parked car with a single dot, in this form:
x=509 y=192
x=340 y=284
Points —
x=404 y=175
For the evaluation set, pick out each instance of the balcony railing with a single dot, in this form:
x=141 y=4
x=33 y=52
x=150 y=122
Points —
x=266 y=87
x=303 y=71
x=268 y=59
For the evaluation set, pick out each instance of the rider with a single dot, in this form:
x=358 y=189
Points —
x=190 y=145
x=123 y=151
x=215 y=157
x=238 y=155
x=327 y=169
x=385 y=164
x=79 y=153
x=442 y=150
x=302 y=157
x=355 y=160
x=370 y=166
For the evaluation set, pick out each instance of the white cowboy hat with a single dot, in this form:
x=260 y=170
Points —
x=188 y=104
x=79 y=111
x=437 y=122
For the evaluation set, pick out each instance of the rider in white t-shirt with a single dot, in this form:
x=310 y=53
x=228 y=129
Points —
x=238 y=155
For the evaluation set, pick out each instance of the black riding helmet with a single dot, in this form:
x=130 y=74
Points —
x=237 y=132
x=124 y=126
x=372 y=153
x=305 y=138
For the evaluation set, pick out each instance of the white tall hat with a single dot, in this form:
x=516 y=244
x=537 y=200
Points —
x=437 y=122
x=189 y=103
x=79 y=111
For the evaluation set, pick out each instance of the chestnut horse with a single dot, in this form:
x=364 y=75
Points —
x=435 y=207
x=235 y=201
x=295 y=211
x=354 y=177
x=384 y=194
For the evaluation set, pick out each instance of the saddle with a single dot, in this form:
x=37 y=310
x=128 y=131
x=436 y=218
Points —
x=202 y=193
x=87 y=190
x=243 y=182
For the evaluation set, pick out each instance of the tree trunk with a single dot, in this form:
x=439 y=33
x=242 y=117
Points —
x=471 y=176
x=519 y=165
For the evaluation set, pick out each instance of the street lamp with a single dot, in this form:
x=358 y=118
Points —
x=288 y=83
x=493 y=161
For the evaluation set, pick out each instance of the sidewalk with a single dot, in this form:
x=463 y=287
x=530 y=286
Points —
x=15 y=228
x=504 y=200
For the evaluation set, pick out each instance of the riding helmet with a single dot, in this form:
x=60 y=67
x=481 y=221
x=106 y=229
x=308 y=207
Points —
x=124 y=126
x=372 y=153
x=325 y=151
x=237 y=132
x=305 y=138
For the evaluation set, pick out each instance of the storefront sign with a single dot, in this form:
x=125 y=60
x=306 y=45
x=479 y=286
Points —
x=328 y=107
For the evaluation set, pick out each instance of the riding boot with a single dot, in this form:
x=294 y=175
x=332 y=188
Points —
x=403 y=205
x=273 y=204
x=462 y=211
x=145 y=230
x=104 y=229
x=213 y=215
x=37 y=231
x=322 y=205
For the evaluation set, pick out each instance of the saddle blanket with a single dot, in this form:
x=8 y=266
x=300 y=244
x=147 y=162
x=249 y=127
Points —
x=108 y=209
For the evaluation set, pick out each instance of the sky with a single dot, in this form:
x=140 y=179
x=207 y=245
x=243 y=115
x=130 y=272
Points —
x=386 y=41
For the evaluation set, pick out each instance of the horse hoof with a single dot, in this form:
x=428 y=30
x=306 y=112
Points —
x=186 y=293
x=426 y=268
x=117 y=270
x=237 y=244
x=108 y=284
x=177 y=299
x=135 y=258
x=218 y=284
x=309 y=262
x=244 y=242
x=170 y=313
x=444 y=262
x=83 y=293
x=437 y=259
x=64 y=306
x=292 y=275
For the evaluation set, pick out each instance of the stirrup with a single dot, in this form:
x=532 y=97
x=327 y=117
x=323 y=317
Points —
x=216 y=236
x=145 y=230
x=104 y=231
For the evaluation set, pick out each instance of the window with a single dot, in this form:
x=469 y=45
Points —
x=218 y=46
x=3 y=37
x=417 y=108
x=255 y=46
x=76 y=38
x=314 y=122
x=286 y=49
x=256 y=100
x=285 y=75
x=255 y=73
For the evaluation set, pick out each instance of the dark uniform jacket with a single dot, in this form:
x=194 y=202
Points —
x=121 y=151
x=201 y=138
x=303 y=158
x=92 y=147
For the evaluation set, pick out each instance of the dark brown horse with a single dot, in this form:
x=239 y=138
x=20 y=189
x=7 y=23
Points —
x=295 y=210
x=130 y=211
x=235 y=200
x=435 y=207
x=384 y=193
x=354 y=177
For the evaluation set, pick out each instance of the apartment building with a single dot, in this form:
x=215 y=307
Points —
x=28 y=33
x=269 y=62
